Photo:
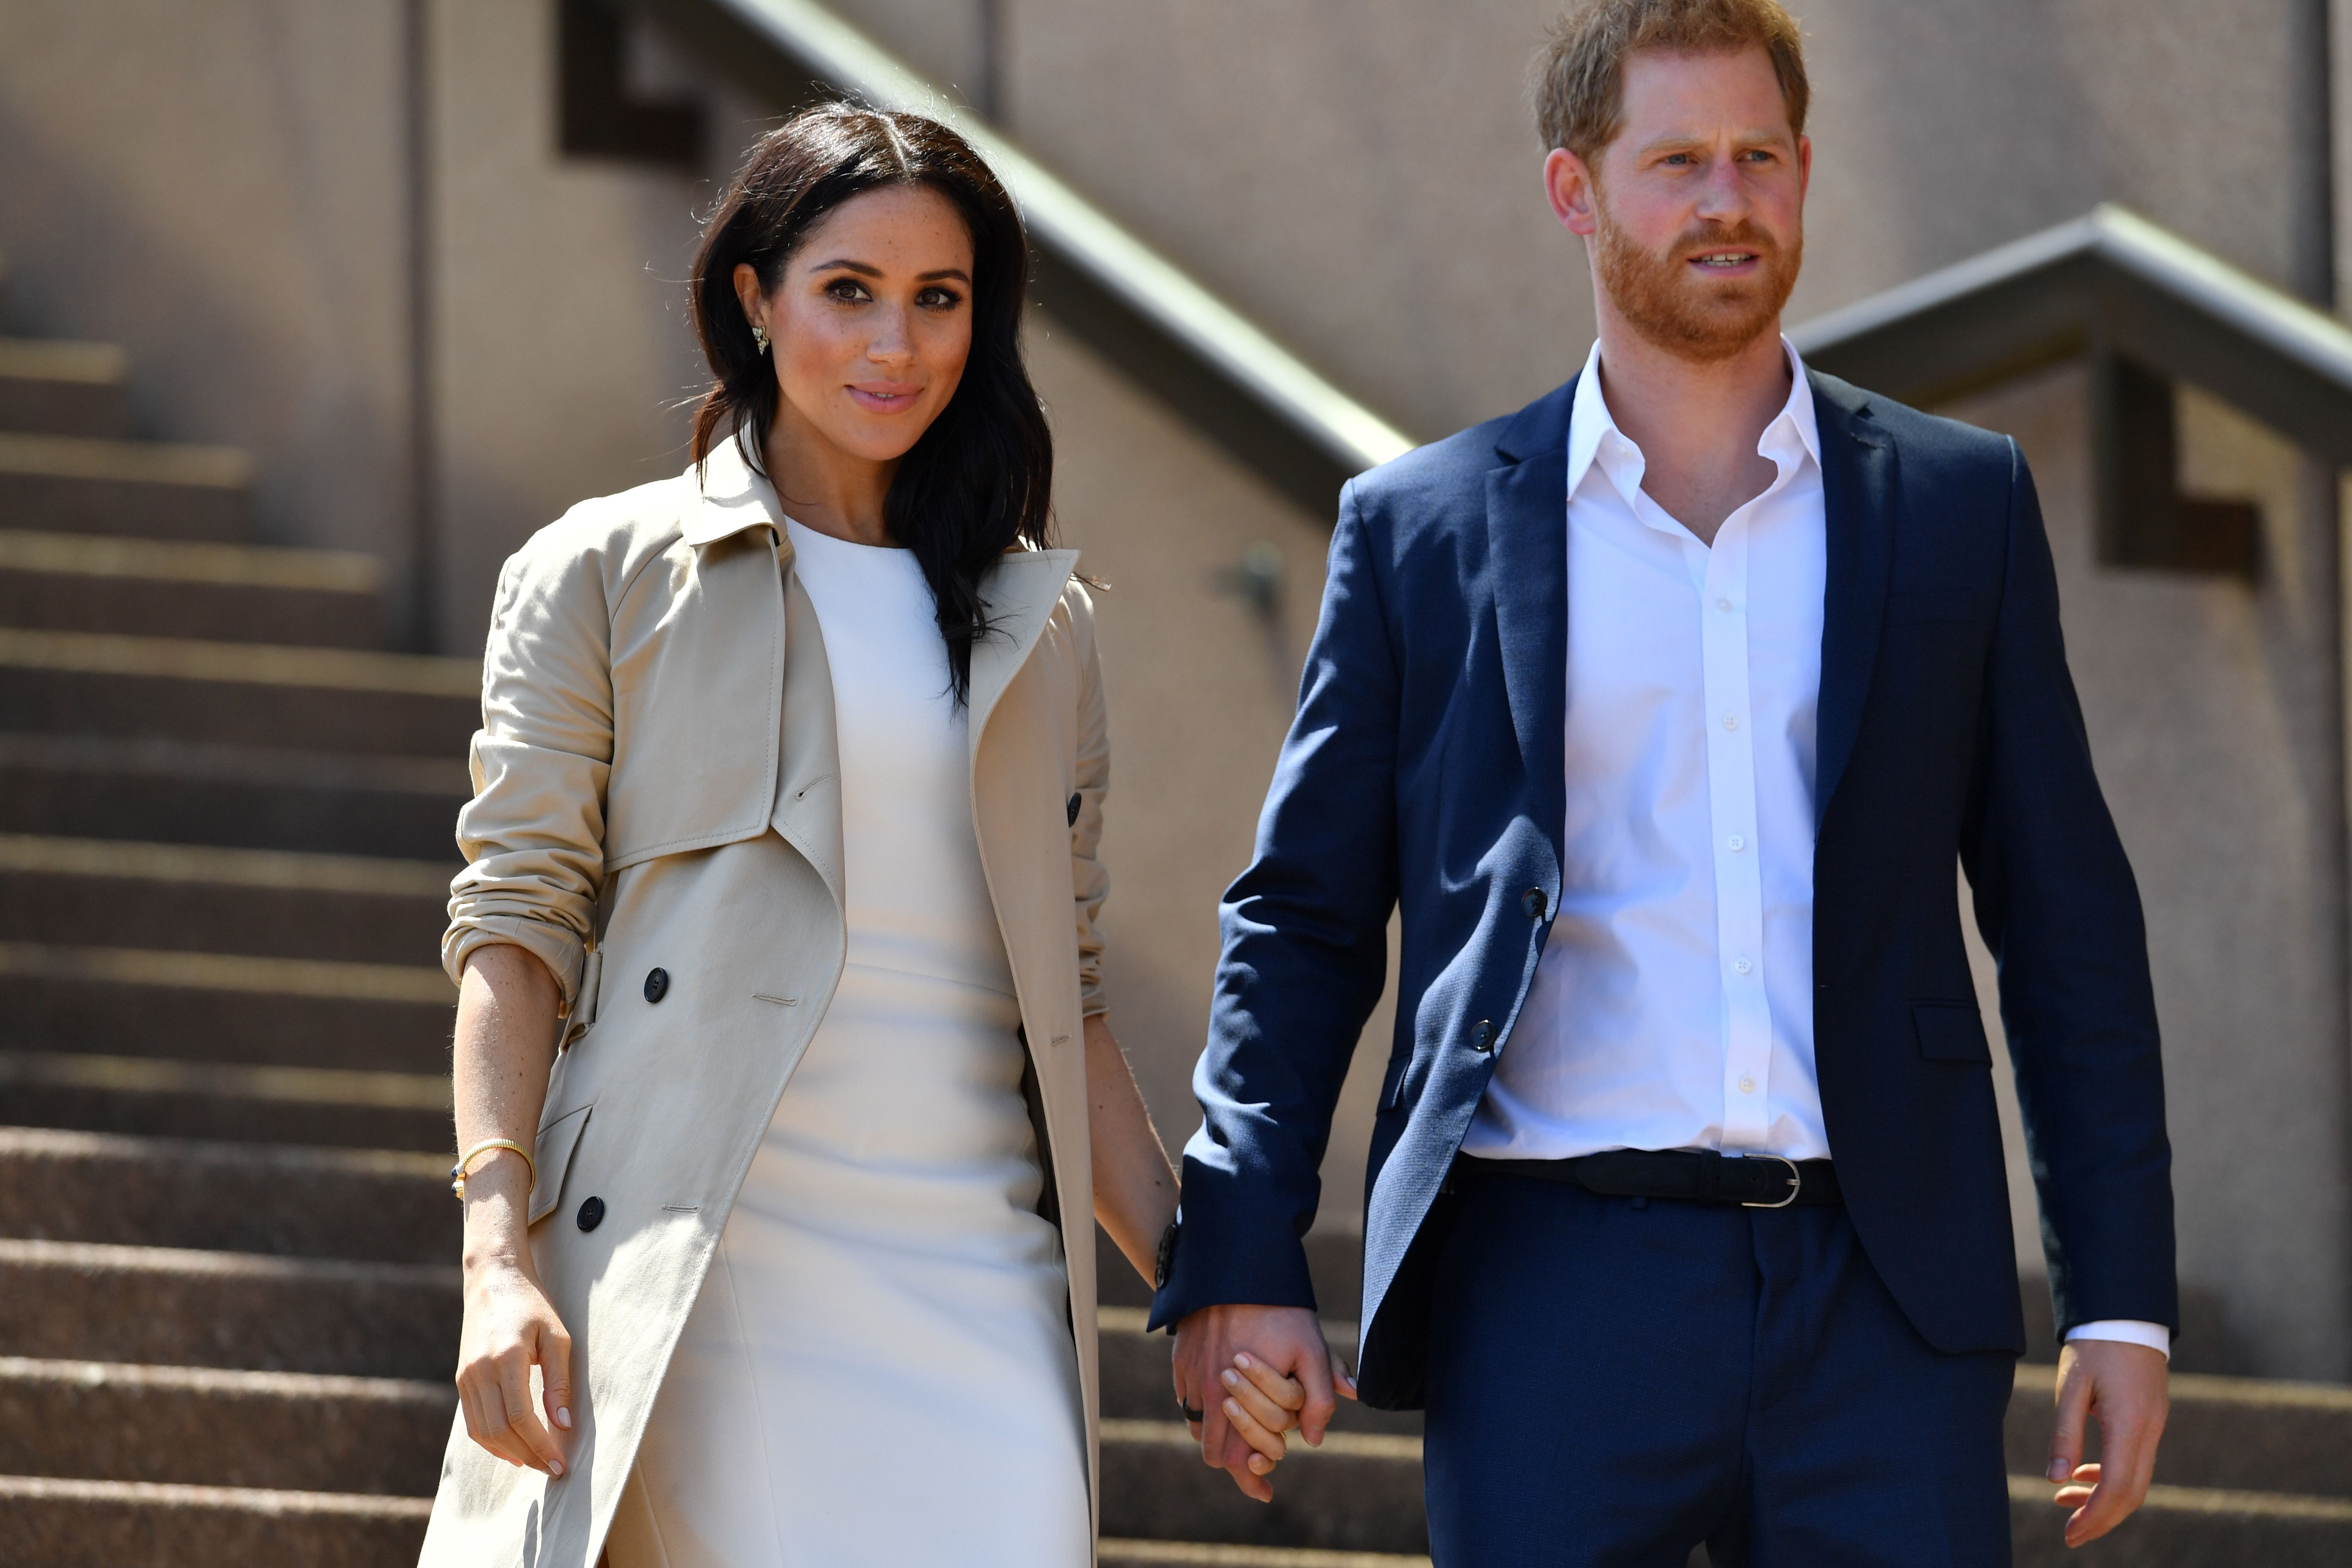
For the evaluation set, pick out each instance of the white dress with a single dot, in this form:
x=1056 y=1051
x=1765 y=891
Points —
x=879 y=1370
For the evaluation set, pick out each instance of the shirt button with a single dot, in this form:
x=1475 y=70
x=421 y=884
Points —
x=1738 y=844
x=1746 y=1084
x=1742 y=966
x=1723 y=604
x=1731 y=721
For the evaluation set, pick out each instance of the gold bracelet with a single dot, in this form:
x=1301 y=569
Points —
x=458 y=1171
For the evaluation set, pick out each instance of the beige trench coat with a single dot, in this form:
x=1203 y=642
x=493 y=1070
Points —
x=655 y=788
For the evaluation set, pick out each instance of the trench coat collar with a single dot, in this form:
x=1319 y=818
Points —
x=1021 y=591
x=735 y=497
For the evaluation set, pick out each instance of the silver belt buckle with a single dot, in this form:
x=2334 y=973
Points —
x=1796 y=1181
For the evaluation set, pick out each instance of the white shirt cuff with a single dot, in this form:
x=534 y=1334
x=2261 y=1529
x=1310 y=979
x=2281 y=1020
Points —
x=2129 y=1330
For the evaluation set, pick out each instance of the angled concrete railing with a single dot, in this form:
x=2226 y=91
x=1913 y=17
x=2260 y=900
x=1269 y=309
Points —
x=2110 y=283
x=1134 y=305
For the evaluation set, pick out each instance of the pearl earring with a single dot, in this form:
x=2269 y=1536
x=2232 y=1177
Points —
x=760 y=336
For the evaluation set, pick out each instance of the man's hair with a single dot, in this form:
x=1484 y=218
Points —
x=1579 y=76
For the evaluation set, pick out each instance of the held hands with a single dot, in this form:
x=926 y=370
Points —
x=510 y=1327
x=2124 y=1387
x=1272 y=1371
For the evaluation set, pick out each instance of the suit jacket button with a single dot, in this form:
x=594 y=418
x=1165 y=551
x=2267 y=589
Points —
x=1533 y=901
x=657 y=984
x=1482 y=1038
x=591 y=1212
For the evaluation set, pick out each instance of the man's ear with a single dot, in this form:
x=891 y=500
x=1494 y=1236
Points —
x=1569 y=184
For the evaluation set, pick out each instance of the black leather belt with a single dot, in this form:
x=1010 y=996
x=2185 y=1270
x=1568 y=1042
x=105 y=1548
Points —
x=1679 y=1175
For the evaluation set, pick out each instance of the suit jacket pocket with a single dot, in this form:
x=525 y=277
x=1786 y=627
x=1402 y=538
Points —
x=1951 y=1032
x=554 y=1144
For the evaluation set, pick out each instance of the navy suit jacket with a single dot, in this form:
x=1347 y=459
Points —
x=1425 y=773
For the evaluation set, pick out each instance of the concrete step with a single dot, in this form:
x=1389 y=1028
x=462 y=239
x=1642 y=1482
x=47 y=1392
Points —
x=221 y=593
x=179 y=792
x=2234 y=1433
x=1359 y=1492
x=52 y=387
x=145 y=489
x=167 y=1306
x=206 y=1427
x=327 y=1107
x=243 y=694
x=115 y=893
x=56 y=1523
x=2188 y=1527
x=369 y=1205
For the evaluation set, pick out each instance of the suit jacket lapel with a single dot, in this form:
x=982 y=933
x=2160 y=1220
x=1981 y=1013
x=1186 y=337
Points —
x=1858 y=500
x=1527 y=553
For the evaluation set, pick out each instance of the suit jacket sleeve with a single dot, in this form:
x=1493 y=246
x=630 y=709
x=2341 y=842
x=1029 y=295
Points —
x=2059 y=910
x=1305 y=957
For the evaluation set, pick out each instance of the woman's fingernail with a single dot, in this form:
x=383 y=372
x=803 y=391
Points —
x=554 y=1467
x=564 y=1419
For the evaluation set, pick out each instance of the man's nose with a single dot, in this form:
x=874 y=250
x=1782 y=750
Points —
x=1724 y=194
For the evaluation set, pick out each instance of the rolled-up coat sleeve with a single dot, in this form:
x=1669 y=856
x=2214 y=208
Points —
x=533 y=834
x=1089 y=882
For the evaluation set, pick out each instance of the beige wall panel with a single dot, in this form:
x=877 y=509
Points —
x=561 y=342
x=220 y=189
x=2200 y=699
x=1200 y=690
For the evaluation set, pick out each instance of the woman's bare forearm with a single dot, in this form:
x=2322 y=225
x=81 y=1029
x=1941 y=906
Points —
x=505 y=1043
x=1135 y=1190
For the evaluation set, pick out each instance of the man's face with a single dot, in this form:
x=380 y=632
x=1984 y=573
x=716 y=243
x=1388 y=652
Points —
x=1696 y=210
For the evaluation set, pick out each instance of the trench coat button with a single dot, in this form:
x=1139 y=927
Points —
x=1074 y=811
x=657 y=984
x=1533 y=901
x=591 y=1212
x=1482 y=1038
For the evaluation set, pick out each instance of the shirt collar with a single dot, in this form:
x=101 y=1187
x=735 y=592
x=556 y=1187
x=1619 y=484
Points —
x=1589 y=423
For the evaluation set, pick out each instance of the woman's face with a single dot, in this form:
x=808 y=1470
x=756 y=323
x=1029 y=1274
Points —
x=871 y=323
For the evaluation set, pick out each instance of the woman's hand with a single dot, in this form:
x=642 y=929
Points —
x=510 y=1327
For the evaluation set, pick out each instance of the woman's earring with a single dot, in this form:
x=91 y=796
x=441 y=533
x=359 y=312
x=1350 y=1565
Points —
x=760 y=336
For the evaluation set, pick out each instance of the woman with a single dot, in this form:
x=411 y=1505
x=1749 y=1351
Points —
x=787 y=793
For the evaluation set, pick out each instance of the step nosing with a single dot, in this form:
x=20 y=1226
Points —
x=328 y=979
x=213 y=761
x=111 y=460
x=59 y=1143
x=234 y=1381
x=68 y=360
x=338 y=1087
x=240 y=1499
x=113 y=1257
x=190 y=562
x=1147 y=1434
x=248 y=664
x=1223 y=1554
x=298 y=870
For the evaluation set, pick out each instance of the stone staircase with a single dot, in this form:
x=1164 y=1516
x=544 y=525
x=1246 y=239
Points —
x=228 y=1293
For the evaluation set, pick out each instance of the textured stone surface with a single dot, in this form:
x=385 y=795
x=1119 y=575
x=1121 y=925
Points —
x=78 y=1301
x=367 y=1205
x=100 y=1421
x=131 y=1524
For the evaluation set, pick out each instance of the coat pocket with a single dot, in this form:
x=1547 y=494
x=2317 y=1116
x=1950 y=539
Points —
x=1951 y=1032
x=555 y=1142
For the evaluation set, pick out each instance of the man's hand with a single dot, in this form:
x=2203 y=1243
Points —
x=2123 y=1387
x=1287 y=1340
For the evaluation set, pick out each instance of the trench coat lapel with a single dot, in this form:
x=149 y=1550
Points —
x=1020 y=592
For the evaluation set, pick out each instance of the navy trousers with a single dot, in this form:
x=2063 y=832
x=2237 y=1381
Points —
x=1614 y=1381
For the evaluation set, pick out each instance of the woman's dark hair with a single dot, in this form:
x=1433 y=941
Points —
x=979 y=480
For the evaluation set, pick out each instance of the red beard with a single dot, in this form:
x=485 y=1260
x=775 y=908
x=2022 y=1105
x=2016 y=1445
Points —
x=1677 y=307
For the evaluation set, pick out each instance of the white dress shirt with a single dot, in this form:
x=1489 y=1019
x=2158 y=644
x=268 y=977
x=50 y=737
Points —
x=1673 y=1005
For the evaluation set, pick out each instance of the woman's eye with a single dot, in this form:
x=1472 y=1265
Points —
x=846 y=288
x=939 y=299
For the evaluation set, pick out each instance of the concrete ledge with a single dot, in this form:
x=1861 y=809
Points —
x=198 y=1425
x=2234 y=1433
x=1359 y=1492
x=59 y=1185
x=183 y=563
x=1118 y=1554
x=161 y=1097
x=416 y=982
x=70 y=1524
x=2187 y=1527
x=82 y=484
x=166 y=1307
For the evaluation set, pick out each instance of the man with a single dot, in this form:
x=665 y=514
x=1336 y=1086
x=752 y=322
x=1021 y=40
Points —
x=1663 y=709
